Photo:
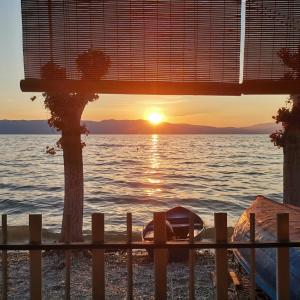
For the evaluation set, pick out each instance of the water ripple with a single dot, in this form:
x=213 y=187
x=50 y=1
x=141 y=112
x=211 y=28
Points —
x=141 y=174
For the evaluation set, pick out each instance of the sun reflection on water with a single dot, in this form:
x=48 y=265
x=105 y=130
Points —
x=153 y=172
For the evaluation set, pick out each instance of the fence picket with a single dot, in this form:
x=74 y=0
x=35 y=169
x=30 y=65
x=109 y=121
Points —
x=35 y=257
x=191 y=259
x=221 y=257
x=4 y=258
x=68 y=259
x=282 y=268
x=129 y=258
x=252 y=262
x=160 y=256
x=98 y=263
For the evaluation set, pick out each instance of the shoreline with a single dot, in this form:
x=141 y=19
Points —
x=20 y=234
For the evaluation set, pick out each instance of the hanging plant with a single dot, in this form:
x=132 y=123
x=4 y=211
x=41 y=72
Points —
x=289 y=115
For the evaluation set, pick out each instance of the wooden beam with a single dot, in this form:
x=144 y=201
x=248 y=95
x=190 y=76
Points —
x=131 y=87
x=143 y=245
x=248 y=87
x=270 y=87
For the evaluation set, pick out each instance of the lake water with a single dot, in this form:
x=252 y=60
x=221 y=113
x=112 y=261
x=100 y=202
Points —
x=140 y=174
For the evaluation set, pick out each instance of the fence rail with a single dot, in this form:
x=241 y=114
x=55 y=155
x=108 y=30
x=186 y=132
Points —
x=149 y=245
x=160 y=247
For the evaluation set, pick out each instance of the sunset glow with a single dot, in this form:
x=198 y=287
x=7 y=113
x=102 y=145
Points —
x=155 y=118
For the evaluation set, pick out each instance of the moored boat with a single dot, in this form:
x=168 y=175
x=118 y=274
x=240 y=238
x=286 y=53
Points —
x=265 y=215
x=177 y=226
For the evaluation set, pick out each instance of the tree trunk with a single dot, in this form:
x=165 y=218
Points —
x=291 y=161
x=73 y=167
x=291 y=167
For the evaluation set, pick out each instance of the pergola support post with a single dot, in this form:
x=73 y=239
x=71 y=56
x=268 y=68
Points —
x=291 y=167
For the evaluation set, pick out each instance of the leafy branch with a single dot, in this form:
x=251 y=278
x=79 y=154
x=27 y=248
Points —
x=67 y=107
x=289 y=115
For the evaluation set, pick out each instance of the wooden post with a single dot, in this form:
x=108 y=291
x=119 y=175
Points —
x=252 y=263
x=68 y=259
x=221 y=257
x=160 y=256
x=191 y=259
x=129 y=258
x=98 y=265
x=282 y=268
x=291 y=170
x=35 y=257
x=4 y=258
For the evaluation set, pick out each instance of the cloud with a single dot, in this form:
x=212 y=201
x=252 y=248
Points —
x=192 y=109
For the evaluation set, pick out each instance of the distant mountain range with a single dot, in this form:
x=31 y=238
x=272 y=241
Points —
x=132 y=127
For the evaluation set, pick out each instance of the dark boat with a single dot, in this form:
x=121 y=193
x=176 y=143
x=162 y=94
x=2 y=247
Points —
x=177 y=225
x=265 y=214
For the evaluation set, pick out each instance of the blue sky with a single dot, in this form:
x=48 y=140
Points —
x=219 y=111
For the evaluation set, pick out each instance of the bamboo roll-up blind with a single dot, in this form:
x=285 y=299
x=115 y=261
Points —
x=146 y=40
x=270 y=26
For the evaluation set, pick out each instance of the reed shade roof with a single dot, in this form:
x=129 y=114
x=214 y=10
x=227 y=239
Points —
x=148 y=41
x=270 y=26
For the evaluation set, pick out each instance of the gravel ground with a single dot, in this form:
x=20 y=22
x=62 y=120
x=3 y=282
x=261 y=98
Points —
x=116 y=276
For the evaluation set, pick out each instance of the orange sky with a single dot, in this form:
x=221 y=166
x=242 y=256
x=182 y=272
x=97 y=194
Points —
x=205 y=110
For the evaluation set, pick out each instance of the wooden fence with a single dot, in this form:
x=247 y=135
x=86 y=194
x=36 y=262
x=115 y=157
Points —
x=160 y=247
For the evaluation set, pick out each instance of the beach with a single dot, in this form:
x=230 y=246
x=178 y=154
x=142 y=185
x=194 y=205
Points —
x=116 y=276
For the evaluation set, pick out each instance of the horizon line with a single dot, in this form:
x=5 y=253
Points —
x=145 y=120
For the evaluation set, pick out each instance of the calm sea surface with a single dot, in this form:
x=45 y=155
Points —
x=140 y=174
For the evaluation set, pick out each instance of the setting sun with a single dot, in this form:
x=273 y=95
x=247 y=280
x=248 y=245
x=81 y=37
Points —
x=155 y=118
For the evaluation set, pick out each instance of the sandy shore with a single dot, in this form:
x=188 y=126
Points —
x=116 y=276
x=20 y=234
